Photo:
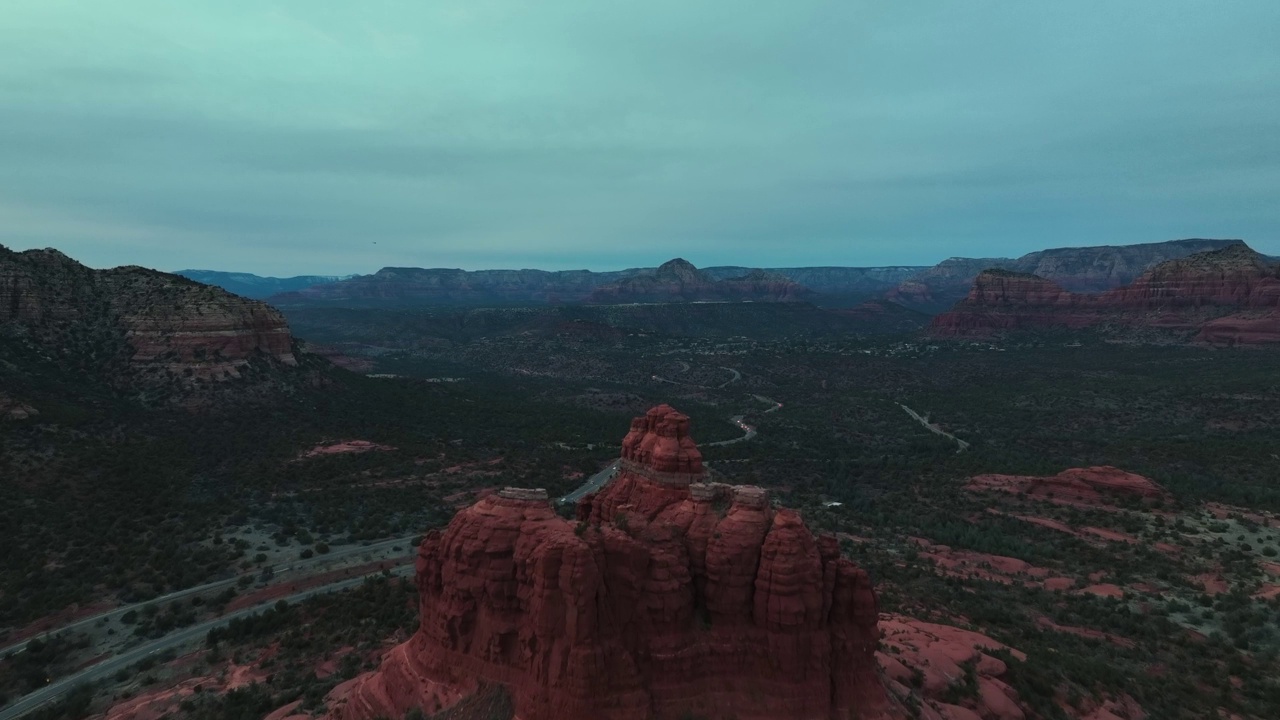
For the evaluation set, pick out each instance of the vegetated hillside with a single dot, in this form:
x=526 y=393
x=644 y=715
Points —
x=830 y=282
x=418 y=287
x=155 y=336
x=257 y=287
x=1225 y=297
x=105 y=499
x=1079 y=269
x=431 y=327
x=679 y=281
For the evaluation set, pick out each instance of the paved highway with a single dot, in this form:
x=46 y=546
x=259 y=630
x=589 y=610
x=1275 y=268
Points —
x=195 y=633
x=593 y=483
x=317 y=562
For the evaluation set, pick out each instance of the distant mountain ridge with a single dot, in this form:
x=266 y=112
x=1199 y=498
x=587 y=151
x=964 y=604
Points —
x=679 y=281
x=405 y=287
x=1078 y=269
x=929 y=289
x=1227 y=296
x=257 y=287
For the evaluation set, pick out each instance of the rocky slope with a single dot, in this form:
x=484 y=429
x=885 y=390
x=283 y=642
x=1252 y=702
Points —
x=670 y=597
x=134 y=327
x=1225 y=296
x=679 y=281
x=1081 y=269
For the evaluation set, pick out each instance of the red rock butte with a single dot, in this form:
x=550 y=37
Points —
x=659 y=447
x=670 y=597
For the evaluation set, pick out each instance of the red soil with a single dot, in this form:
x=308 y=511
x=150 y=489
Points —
x=1105 y=590
x=1090 y=633
x=164 y=702
x=1094 y=487
x=345 y=446
x=1213 y=583
x=996 y=568
x=58 y=620
x=1111 y=535
x=1268 y=591
x=1222 y=511
x=287 y=588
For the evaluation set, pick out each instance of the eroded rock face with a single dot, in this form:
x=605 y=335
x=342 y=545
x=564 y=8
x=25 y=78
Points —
x=1225 y=296
x=659 y=441
x=666 y=599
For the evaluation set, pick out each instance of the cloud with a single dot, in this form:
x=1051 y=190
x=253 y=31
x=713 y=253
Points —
x=288 y=137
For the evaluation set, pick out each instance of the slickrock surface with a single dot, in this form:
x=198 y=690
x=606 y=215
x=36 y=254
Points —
x=666 y=599
x=1227 y=296
x=1090 y=487
x=938 y=657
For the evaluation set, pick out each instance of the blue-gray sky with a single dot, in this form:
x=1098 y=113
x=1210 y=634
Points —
x=328 y=136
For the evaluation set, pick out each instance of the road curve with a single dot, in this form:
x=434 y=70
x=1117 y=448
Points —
x=93 y=673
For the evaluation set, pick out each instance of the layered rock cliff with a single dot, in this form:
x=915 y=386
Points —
x=1079 y=270
x=670 y=597
x=137 y=327
x=1225 y=296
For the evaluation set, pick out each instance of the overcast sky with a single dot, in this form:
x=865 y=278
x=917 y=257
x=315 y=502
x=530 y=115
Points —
x=329 y=136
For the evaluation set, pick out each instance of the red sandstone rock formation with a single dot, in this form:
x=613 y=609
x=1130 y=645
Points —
x=939 y=654
x=1092 y=487
x=671 y=596
x=659 y=440
x=1226 y=296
